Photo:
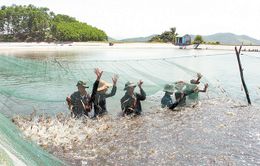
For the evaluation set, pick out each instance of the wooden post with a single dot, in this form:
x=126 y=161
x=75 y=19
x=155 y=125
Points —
x=241 y=73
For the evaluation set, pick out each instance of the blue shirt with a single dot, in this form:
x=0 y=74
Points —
x=166 y=100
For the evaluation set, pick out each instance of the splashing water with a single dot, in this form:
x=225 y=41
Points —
x=208 y=132
x=15 y=150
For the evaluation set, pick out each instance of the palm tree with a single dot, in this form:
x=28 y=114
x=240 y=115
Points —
x=174 y=34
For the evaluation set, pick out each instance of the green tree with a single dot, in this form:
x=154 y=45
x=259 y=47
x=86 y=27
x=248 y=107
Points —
x=29 y=23
x=167 y=36
x=23 y=22
x=66 y=28
x=174 y=34
x=198 y=39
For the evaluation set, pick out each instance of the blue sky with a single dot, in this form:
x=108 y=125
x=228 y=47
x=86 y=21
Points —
x=135 y=18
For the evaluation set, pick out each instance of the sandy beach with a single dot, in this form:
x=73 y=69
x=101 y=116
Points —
x=43 y=46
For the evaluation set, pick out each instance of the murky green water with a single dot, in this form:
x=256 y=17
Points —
x=41 y=80
x=219 y=130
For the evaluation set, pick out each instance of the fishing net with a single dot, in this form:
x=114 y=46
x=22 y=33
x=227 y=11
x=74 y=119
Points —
x=42 y=80
x=15 y=150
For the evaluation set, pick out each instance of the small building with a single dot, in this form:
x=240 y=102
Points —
x=183 y=41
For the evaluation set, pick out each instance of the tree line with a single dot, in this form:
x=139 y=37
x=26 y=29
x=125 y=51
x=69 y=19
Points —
x=170 y=36
x=30 y=23
x=167 y=36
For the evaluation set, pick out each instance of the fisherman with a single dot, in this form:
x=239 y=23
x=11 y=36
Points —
x=194 y=85
x=130 y=102
x=80 y=102
x=101 y=95
x=190 y=89
x=167 y=102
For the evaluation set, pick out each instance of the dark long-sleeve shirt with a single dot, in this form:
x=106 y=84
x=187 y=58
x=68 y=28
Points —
x=167 y=102
x=181 y=100
x=100 y=101
x=133 y=102
x=77 y=101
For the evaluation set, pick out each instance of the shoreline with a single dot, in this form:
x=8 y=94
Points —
x=44 y=46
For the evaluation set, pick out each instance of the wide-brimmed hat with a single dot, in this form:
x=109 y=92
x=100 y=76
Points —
x=103 y=85
x=179 y=86
x=169 y=88
x=129 y=84
x=82 y=83
x=194 y=81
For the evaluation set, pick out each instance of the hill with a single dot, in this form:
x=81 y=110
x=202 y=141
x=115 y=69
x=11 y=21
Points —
x=223 y=38
x=230 y=38
x=138 y=39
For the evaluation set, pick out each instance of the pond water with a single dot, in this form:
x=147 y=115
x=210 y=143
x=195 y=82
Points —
x=40 y=80
x=218 y=130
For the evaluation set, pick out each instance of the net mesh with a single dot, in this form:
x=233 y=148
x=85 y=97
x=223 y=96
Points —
x=42 y=80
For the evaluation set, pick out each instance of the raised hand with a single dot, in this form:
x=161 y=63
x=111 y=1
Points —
x=114 y=79
x=140 y=83
x=98 y=73
x=199 y=75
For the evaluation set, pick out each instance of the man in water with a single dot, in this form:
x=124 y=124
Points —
x=131 y=101
x=101 y=95
x=80 y=102
x=166 y=101
x=191 y=89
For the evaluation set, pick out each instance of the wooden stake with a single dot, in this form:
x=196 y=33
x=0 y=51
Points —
x=241 y=73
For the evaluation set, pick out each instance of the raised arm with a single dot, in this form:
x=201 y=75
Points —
x=142 y=95
x=199 y=76
x=205 y=88
x=114 y=88
x=98 y=73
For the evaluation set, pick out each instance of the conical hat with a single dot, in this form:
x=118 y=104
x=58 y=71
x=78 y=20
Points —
x=103 y=85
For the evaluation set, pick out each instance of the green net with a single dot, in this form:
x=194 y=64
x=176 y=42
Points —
x=42 y=80
x=15 y=150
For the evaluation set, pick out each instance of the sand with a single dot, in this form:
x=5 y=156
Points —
x=43 y=46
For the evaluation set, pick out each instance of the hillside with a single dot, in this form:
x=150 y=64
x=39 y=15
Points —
x=223 y=38
x=138 y=39
x=230 y=38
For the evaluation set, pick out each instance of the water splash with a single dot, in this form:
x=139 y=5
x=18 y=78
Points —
x=205 y=133
x=15 y=150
